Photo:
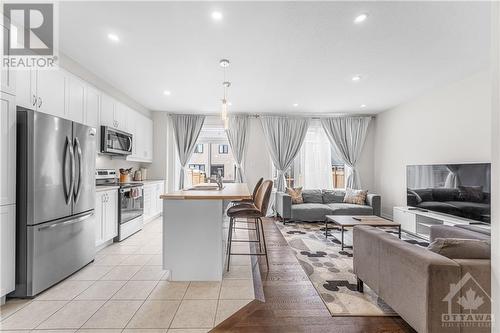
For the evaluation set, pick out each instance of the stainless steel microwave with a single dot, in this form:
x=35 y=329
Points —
x=115 y=142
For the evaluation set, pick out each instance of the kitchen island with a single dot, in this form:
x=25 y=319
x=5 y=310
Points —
x=194 y=229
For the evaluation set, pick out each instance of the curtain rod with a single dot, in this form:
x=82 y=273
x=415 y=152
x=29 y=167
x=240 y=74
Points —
x=282 y=115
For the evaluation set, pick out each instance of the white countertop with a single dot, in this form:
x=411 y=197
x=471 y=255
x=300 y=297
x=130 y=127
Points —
x=106 y=188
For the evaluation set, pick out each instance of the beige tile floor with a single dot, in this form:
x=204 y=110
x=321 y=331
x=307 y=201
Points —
x=126 y=290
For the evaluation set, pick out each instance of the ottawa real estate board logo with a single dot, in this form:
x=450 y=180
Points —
x=29 y=37
x=468 y=305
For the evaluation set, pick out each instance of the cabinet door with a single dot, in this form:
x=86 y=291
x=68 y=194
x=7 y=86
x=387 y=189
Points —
x=7 y=149
x=107 y=111
x=26 y=88
x=148 y=137
x=406 y=219
x=75 y=102
x=92 y=112
x=148 y=201
x=50 y=87
x=121 y=116
x=98 y=215
x=159 y=202
x=111 y=221
x=7 y=75
x=7 y=249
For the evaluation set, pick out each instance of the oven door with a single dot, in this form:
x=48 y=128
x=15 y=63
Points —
x=131 y=203
x=115 y=142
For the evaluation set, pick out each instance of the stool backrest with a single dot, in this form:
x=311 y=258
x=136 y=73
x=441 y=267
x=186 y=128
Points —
x=256 y=188
x=263 y=196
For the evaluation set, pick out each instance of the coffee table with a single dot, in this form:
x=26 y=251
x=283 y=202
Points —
x=349 y=221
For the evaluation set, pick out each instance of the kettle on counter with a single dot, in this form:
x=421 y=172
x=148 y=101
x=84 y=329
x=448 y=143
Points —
x=138 y=175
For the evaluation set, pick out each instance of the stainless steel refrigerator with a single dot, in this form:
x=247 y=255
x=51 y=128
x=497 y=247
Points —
x=55 y=200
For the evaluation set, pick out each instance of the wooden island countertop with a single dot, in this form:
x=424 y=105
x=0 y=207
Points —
x=231 y=191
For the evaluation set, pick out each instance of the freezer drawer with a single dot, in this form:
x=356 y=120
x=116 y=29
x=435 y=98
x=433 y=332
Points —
x=59 y=249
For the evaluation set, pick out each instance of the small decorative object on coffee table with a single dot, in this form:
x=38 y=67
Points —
x=349 y=221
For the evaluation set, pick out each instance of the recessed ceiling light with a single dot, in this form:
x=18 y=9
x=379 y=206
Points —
x=167 y=93
x=217 y=16
x=360 y=18
x=295 y=105
x=362 y=106
x=356 y=78
x=229 y=103
x=113 y=37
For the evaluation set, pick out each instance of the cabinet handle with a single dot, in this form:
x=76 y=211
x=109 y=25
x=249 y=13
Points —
x=34 y=100
x=39 y=101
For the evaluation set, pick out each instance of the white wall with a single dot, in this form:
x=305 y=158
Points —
x=447 y=125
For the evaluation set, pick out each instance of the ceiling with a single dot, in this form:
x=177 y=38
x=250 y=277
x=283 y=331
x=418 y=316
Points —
x=281 y=53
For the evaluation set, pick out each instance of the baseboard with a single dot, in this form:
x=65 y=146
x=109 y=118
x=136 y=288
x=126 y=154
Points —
x=386 y=216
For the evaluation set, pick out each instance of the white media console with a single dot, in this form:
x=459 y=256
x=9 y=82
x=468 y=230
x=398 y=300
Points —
x=418 y=222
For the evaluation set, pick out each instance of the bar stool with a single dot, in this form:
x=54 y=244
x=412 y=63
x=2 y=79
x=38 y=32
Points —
x=254 y=211
x=249 y=201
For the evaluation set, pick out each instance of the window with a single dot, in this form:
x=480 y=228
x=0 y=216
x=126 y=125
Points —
x=200 y=167
x=213 y=155
x=223 y=149
x=199 y=148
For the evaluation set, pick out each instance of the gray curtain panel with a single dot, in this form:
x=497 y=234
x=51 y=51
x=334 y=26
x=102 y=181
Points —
x=284 y=137
x=237 y=134
x=347 y=135
x=187 y=128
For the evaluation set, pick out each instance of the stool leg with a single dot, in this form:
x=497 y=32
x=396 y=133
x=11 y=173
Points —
x=264 y=241
x=229 y=240
x=257 y=233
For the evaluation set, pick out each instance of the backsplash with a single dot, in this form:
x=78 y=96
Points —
x=106 y=162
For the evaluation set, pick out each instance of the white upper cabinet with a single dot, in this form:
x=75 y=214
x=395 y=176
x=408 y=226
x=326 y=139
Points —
x=7 y=76
x=107 y=111
x=143 y=138
x=121 y=116
x=75 y=101
x=92 y=108
x=7 y=149
x=26 y=88
x=50 y=88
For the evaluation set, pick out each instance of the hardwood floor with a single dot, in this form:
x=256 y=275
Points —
x=291 y=302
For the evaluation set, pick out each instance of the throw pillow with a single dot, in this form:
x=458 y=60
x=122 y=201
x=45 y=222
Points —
x=471 y=193
x=296 y=194
x=458 y=248
x=357 y=197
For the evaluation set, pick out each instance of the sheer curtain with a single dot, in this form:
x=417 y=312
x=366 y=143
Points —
x=313 y=165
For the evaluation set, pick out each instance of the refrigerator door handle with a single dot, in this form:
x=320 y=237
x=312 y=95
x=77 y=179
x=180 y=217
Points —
x=67 y=221
x=69 y=153
x=78 y=189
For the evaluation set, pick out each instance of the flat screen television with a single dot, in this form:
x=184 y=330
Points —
x=462 y=190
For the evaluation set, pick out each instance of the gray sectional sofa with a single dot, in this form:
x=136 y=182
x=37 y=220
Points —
x=418 y=283
x=319 y=203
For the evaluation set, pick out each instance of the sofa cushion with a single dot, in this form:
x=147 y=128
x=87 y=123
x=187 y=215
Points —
x=295 y=194
x=331 y=196
x=459 y=248
x=425 y=194
x=445 y=194
x=350 y=209
x=312 y=196
x=357 y=197
x=310 y=212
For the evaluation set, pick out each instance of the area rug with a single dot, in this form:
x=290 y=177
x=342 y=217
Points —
x=330 y=269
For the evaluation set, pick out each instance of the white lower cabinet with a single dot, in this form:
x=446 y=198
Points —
x=152 y=202
x=106 y=216
x=406 y=219
x=7 y=249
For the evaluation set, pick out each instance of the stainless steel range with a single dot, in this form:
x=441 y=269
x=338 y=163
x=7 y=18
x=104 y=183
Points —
x=130 y=202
